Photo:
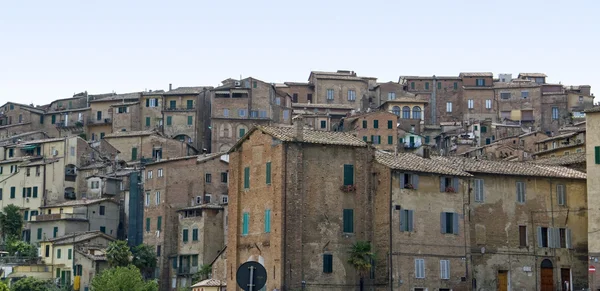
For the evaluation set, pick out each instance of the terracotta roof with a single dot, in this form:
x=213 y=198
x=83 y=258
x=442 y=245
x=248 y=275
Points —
x=162 y=161
x=538 y=75
x=130 y=133
x=564 y=135
x=430 y=77
x=296 y=83
x=202 y=206
x=413 y=163
x=477 y=74
x=313 y=136
x=82 y=202
x=593 y=109
x=562 y=160
x=323 y=105
x=515 y=85
x=210 y=283
x=511 y=168
x=187 y=90
x=77 y=237
x=118 y=97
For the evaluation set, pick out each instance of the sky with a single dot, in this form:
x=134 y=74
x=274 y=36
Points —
x=53 y=49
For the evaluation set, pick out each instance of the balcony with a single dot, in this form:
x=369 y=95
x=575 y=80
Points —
x=182 y=109
x=96 y=122
x=184 y=270
x=58 y=216
x=74 y=124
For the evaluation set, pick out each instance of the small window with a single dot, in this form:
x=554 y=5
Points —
x=390 y=124
x=247 y=178
x=102 y=209
x=348 y=175
x=479 y=82
x=406 y=220
x=268 y=221
x=327 y=263
x=471 y=103
x=190 y=120
x=364 y=124
x=208 y=178
x=412 y=85
x=157 y=198
x=505 y=95
x=478 y=189
x=444 y=269
x=147 y=199
x=391 y=95
x=439 y=85
x=488 y=104
x=225 y=112
x=195 y=234
x=277 y=101
x=455 y=85
x=329 y=94
x=426 y=85
x=351 y=95
x=555 y=113
x=185 y=235
x=561 y=195
x=159 y=223
x=522 y=236
x=419 y=268
x=449 y=222
x=543 y=237
x=245 y=223
x=149 y=172
x=158 y=250
x=268 y=173
x=160 y=174
x=409 y=181
x=449 y=107
x=348 y=221
x=520 y=192
x=224 y=177
x=524 y=94
x=242 y=112
x=323 y=124
x=375 y=123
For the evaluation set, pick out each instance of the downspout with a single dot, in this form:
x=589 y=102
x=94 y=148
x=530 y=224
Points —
x=391 y=228
x=534 y=250
x=465 y=208
x=284 y=188
x=434 y=101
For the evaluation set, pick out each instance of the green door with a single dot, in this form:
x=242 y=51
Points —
x=412 y=140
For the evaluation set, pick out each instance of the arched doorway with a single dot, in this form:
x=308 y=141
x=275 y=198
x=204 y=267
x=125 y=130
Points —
x=547 y=276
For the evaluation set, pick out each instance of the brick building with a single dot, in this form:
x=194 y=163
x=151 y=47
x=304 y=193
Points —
x=284 y=216
x=379 y=128
x=186 y=115
x=444 y=94
x=66 y=117
x=341 y=87
x=520 y=101
x=133 y=146
x=300 y=92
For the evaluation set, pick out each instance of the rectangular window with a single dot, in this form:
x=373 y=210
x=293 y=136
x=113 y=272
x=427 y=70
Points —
x=427 y=138
x=157 y=198
x=12 y=192
x=327 y=263
x=351 y=95
x=364 y=124
x=149 y=173
x=478 y=189
x=520 y=192
x=348 y=175
x=55 y=232
x=470 y=103
x=329 y=94
x=103 y=229
x=278 y=101
x=561 y=195
x=39 y=233
x=160 y=174
x=596 y=155
x=268 y=173
x=224 y=177
x=439 y=84
x=391 y=95
x=390 y=124
x=190 y=120
x=522 y=236
x=268 y=221
x=254 y=84
x=147 y=199
x=185 y=235
x=147 y=121
x=133 y=154
x=208 y=177
x=484 y=129
x=226 y=112
x=286 y=114
x=172 y=104
x=147 y=224
x=444 y=269
x=544 y=237
x=406 y=220
x=488 y=104
x=195 y=234
x=159 y=223
x=390 y=139
x=448 y=107
x=348 y=220
x=323 y=124
x=412 y=85
x=169 y=120
x=158 y=250
x=69 y=253
x=455 y=85
x=247 y=178
x=479 y=82
x=190 y=104
x=419 y=268
x=242 y=112
x=53 y=121
x=295 y=98
x=555 y=113
x=375 y=123
x=58 y=253
x=426 y=85
x=449 y=222
x=524 y=94
x=505 y=95
x=409 y=181
x=245 y=223
x=102 y=210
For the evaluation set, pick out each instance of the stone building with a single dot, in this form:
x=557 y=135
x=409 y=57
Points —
x=18 y=118
x=571 y=142
x=300 y=92
x=341 y=87
x=379 y=128
x=133 y=146
x=186 y=115
x=67 y=117
x=592 y=154
x=421 y=224
x=174 y=184
x=152 y=108
x=282 y=215
x=520 y=101
x=443 y=93
x=238 y=105
x=528 y=227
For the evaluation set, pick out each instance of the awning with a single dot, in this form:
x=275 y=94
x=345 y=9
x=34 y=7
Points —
x=30 y=146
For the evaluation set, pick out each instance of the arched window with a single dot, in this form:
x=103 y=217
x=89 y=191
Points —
x=416 y=112
x=406 y=112
x=396 y=110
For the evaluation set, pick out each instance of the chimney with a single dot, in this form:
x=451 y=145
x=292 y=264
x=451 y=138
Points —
x=170 y=86
x=299 y=127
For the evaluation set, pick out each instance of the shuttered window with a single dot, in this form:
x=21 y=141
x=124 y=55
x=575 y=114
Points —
x=245 y=223
x=449 y=222
x=419 y=268
x=390 y=124
x=327 y=263
x=268 y=221
x=190 y=120
x=520 y=192
x=147 y=224
x=348 y=175
x=348 y=220
x=147 y=121
x=35 y=192
x=597 y=154
x=409 y=181
x=169 y=120
x=268 y=173
x=375 y=123
x=406 y=220
x=247 y=178
x=39 y=233
x=364 y=124
x=561 y=195
x=444 y=269
x=390 y=139
x=185 y=235
x=522 y=236
x=478 y=187
x=195 y=234
x=159 y=223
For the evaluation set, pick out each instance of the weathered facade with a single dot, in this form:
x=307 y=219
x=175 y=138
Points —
x=592 y=154
x=18 y=118
x=378 y=128
x=136 y=145
x=444 y=94
x=186 y=115
x=341 y=87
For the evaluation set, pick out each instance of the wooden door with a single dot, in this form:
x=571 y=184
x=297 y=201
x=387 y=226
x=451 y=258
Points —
x=547 y=280
x=502 y=280
x=565 y=279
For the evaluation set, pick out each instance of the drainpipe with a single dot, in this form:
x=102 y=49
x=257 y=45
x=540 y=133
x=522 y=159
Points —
x=391 y=252
x=284 y=215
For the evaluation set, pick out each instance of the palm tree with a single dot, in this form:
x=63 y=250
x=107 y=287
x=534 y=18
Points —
x=361 y=258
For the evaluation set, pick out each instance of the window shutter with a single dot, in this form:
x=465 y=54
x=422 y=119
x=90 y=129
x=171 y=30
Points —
x=390 y=124
x=246 y=177
x=415 y=181
x=348 y=220
x=268 y=173
x=455 y=223
x=402 y=182
x=327 y=263
x=455 y=184
x=539 y=237
x=568 y=238
x=35 y=192
x=443 y=222
x=24 y=193
x=147 y=102
x=403 y=219
x=410 y=220
x=364 y=124
x=550 y=237
x=348 y=175
x=175 y=263
x=596 y=151
x=442 y=188
x=557 y=238
x=442 y=269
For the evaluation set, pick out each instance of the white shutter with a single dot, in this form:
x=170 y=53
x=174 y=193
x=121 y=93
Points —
x=444 y=269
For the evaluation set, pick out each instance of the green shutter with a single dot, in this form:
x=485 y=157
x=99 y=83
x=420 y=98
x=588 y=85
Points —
x=175 y=263
x=390 y=139
x=147 y=102
x=365 y=138
x=390 y=124
x=364 y=124
x=103 y=229
x=348 y=220
x=375 y=123
x=190 y=104
x=147 y=121
x=24 y=192
x=190 y=120
x=439 y=85
x=242 y=132
x=35 y=192
x=195 y=234
x=58 y=253
x=147 y=224
x=426 y=139
x=169 y=120
x=412 y=85
x=159 y=223
x=41 y=119
x=12 y=192
x=348 y=175
x=245 y=223
x=268 y=221
x=426 y=85
x=268 y=173
x=596 y=151
x=455 y=85
x=53 y=119
x=185 y=235
x=102 y=135
x=484 y=129
x=247 y=178
x=133 y=154
x=172 y=104
x=55 y=231
x=39 y=234
x=69 y=253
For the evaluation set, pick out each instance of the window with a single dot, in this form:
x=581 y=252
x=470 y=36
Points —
x=555 y=113
x=95 y=184
x=444 y=269
x=309 y=97
x=278 y=101
x=396 y=110
x=455 y=85
x=448 y=107
x=391 y=95
x=564 y=238
x=225 y=112
x=522 y=236
x=245 y=223
x=348 y=175
x=597 y=154
x=103 y=229
x=195 y=234
x=253 y=113
x=149 y=174
x=53 y=121
x=58 y=253
x=190 y=104
x=122 y=109
x=504 y=95
x=158 y=250
x=427 y=139
x=286 y=114
x=521 y=192
x=160 y=174
x=426 y=85
x=157 y=198
x=449 y=222
x=484 y=129
x=406 y=220
x=263 y=114
x=561 y=195
x=147 y=199
x=190 y=120
x=416 y=112
x=419 y=268
x=390 y=139
x=268 y=221
x=323 y=124
x=580 y=99
x=207 y=198
x=39 y=233
x=390 y=124
x=439 y=85
x=449 y=184
x=13 y=169
x=524 y=94
x=147 y=121
x=185 y=235
x=102 y=209
x=327 y=263
x=268 y=173
x=375 y=123
x=479 y=82
x=488 y=104
x=208 y=177
x=478 y=189
x=544 y=237
x=242 y=112
x=412 y=85
x=247 y=178
x=470 y=103
x=348 y=221
x=295 y=97
x=406 y=112
x=409 y=181
x=12 y=192
x=172 y=104
x=329 y=94
x=147 y=224
x=376 y=139
x=55 y=232
x=224 y=177
x=351 y=95
x=242 y=132
x=224 y=199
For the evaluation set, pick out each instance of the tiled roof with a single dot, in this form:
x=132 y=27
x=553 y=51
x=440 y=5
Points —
x=155 y=92
x=538 y=75
x=210 y=283
x=43 y=140
x=413 y=163
x=477 y=74
x=515 y=85
x=187 y=90
x=593 y=109
x=130 y=133
x=77 y=237
x=313 y=136
x=82 y=202
x=562 y=160
x=511 y=168
x=162 y=161
x=10 y=138
x=296 y=83
x=323 y=105
x=117 y=97
x=564 y=135
x=202 y=206
x=430 y=77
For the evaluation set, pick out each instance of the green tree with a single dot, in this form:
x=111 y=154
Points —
x=361 y=258
x=144 y=258
x=11 y=221
x=118 y=254
x=23 y=248
x=31 y=284
x=203 y=273
x=3 y=287
x=122 y=279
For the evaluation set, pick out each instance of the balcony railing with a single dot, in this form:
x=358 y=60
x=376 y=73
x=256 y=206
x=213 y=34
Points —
x=57 y=216
x=181 y=108
x=62 y=124
x=95 y=121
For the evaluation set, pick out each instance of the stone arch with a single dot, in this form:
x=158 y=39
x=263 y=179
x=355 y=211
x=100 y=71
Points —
x=183 y=137
x=225 y=130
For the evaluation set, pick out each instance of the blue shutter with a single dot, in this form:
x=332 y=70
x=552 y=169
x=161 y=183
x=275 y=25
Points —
x=327 y=263
x=410 y=220
x=443 y=222
x=442 y=188
x=268 y=173
x=539 y=237
x=455 y=223
x=455 y=184
x=402 y=182
x=415 y=181
x=245 y=223
x=403 y=219
x=348 y=175
x=268 y=221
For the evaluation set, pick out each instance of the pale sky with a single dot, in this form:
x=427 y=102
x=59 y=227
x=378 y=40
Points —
x=53 y=49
